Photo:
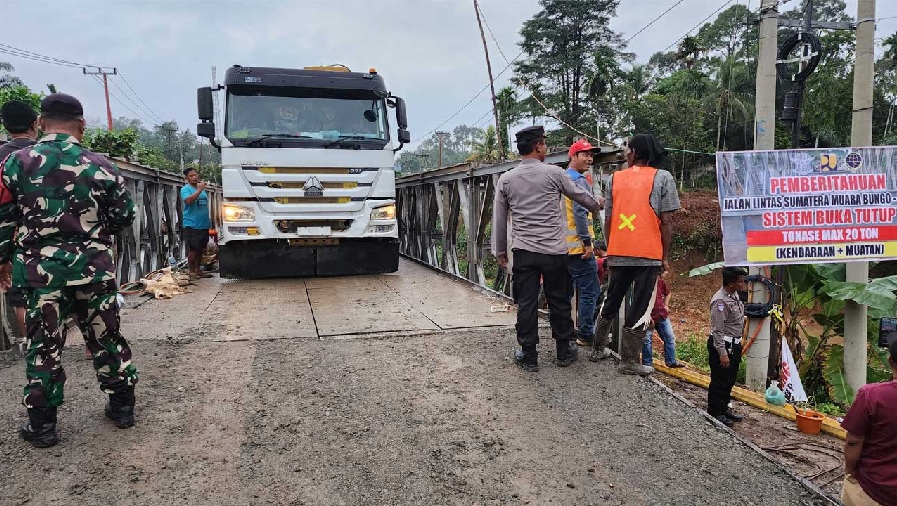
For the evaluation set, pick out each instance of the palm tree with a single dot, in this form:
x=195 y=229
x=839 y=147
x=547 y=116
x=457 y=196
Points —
x=509 y=113
x=485 y=147
x=8 y=80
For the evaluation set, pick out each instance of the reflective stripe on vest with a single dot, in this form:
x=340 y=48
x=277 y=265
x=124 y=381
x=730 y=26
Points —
x=574 y=243
x=634 y=226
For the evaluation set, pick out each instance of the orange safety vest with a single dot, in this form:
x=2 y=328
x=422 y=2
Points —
x=634 y=226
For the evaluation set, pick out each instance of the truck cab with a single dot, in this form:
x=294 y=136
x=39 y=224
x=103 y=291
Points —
x=307 y=156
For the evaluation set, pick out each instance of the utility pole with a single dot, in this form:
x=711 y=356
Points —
x=855 y=321
x=168 y=129
x=104 y=71
x=498 y=133
x=757 y=357
x=439 y=135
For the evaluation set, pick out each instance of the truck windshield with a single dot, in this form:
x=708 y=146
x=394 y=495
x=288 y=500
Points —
x=253 y=115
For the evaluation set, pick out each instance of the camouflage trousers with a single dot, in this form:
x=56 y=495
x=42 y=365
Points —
x=95 y=309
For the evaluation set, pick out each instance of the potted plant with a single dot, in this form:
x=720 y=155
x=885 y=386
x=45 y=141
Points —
x=809 y=421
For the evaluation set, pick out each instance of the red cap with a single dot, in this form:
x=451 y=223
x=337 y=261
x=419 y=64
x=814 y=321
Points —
x=580 y=145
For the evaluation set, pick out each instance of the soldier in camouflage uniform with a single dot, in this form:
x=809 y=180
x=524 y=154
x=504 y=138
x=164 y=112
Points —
x=68 y=202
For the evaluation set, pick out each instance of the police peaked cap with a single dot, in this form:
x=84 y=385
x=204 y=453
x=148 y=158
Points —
x=62 y=106
x=530 y=134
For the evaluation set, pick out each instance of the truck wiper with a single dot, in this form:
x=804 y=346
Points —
x=346 y=138
x=265 y=137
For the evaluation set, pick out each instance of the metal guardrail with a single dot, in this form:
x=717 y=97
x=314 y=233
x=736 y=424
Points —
x=154 y=236
x=156 y=232
x=433 y=206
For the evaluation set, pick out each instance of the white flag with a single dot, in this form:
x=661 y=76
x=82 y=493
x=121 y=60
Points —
x=791 y=385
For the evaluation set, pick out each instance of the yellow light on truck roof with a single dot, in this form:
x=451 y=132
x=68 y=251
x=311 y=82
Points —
x=329 y=68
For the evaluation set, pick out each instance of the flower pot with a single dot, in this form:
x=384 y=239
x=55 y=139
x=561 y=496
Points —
x=809 y=421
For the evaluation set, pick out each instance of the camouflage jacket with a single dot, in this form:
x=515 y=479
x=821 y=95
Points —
x=66 y=202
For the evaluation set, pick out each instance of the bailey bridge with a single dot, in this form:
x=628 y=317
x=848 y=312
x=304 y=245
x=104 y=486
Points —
x=387 y=389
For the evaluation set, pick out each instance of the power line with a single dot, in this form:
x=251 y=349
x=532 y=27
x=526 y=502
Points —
x=125 y=94
x=723 y=6
x=492 y=35
x=41 y=58
x=31 y=55
x=138 y=97
x=664 y=13
x=548 y=112
x=465 y=106
x=141 y=116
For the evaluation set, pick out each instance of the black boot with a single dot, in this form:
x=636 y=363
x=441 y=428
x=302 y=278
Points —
x=630 y=346
x=40 y=429
x=566 y=354
x=120 y=408
x=527 y=358
x=601 y=344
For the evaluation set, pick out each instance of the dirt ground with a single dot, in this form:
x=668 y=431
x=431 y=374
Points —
x=817 y=458
x=234 y=410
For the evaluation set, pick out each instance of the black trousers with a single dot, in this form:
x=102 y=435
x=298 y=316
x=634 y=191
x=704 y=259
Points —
x=643 y=280
x=719 y=393
x=529 y=268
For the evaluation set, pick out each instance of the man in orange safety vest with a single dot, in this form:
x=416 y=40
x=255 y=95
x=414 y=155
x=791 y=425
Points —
x=639 y=201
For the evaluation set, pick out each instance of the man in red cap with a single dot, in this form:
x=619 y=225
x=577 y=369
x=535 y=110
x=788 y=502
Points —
x=580 y=244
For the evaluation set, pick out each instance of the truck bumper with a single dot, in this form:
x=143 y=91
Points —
x=272 y=258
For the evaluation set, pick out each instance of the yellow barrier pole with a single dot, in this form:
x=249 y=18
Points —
x=691 y=375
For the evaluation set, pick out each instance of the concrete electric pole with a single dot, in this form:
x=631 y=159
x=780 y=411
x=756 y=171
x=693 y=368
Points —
x=855 y=321
x=102 y=71
x=757 y=357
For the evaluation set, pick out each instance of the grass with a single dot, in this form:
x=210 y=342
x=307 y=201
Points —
x=694 y=351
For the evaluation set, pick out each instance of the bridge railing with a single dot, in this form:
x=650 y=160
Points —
x=154 y=236
x=445 y=217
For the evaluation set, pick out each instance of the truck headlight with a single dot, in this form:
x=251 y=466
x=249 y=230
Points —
x=387 y=212
x=237 y=213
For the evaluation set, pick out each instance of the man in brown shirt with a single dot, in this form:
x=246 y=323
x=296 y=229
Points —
x=531 y=195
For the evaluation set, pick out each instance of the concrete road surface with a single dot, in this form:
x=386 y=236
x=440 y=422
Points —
x=393 y=389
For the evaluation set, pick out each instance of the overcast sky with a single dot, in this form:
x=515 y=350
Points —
x=429 y=51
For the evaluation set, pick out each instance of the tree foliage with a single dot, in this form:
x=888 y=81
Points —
x=572 y=59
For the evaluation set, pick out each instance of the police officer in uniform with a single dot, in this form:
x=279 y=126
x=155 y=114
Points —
x=530 y=194
x=724 y=344
x=67 y=203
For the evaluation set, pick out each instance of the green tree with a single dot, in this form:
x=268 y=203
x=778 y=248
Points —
x=485 y=148
x=7 y=78
x=509 y=113
x=119 y=143
x=561 y=43
x=456 y=148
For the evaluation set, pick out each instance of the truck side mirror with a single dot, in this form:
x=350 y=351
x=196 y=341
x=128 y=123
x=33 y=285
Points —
x=404 y=136
x=401 y=114
x=206 y=130
x=204 y=104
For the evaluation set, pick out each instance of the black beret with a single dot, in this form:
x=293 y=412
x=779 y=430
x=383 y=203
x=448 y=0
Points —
x=17 y=116
x=60 y=104
x=530 y=134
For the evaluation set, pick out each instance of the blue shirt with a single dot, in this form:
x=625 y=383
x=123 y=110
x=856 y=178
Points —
x=196 y=215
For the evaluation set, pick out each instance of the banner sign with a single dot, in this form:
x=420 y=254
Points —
x=803 y=206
